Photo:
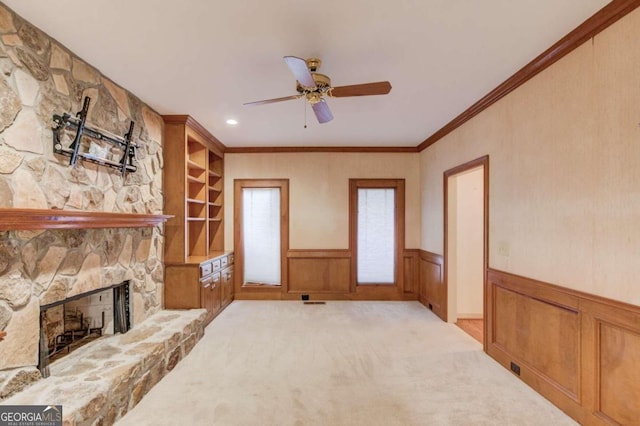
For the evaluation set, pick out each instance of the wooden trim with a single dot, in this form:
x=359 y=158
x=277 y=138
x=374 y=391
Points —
x=428 y=256
x=399 y=186
x=469 y=165
x=534 y=290
x=588 y=29
x=552 y=292
x=30 y=219
x=213 y=143
x=607 y=378
x=289 y=149
x=238 y=185
x=319 y=253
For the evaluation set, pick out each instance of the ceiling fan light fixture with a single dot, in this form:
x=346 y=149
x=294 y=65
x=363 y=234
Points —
x=314 y=97
x=312 y=85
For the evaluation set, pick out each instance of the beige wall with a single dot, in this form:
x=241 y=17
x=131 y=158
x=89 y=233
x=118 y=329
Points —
x=319 y=191
x=564 y=170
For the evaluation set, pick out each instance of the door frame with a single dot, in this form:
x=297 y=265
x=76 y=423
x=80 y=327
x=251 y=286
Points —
x=482 y=161
x=378 y=291
x=264 y=291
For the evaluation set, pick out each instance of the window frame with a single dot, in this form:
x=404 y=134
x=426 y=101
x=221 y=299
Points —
x=399 y=186
x=239 y=185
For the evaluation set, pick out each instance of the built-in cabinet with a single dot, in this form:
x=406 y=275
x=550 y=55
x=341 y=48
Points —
x=198 y=269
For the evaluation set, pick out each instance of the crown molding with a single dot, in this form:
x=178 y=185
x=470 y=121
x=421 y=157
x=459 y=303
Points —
x=602 y=19
x=346 y=149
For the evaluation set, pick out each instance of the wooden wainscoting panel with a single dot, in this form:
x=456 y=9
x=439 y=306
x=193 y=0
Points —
x=579 y=350
x=319 y=275
x=319 y=271
x=432 y=291
x=411 y=278
x=542 y=335
x=619 y=374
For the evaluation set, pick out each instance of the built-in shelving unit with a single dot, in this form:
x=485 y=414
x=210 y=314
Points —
x=198 y=273
x=193 y=191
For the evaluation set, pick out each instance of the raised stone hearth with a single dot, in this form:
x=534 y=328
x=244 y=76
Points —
x=102 y=381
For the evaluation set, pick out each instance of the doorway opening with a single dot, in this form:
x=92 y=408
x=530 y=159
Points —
x=465 y=246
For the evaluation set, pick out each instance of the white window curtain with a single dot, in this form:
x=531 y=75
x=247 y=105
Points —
x=376 y=236
x=261 y=235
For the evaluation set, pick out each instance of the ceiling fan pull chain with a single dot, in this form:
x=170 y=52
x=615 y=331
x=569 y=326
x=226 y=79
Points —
x=305 y=115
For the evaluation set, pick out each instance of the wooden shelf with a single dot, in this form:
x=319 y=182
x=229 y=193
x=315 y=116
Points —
x=215 y=220
x=195 y=157
x=192 y=165
x=30 y=219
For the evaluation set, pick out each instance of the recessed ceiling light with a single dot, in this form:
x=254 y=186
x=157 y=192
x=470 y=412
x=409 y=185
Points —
x=232 y=122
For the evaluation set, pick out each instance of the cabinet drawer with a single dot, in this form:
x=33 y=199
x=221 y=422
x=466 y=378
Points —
x=211 y=281
x=223 y=262
x=230 y=259
x=216 y=265
x=227 y=273
x=206 y=269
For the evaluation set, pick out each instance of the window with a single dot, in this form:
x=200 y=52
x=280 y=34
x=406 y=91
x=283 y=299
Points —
x=261 y=235
x=377 y=231
x=376 y=236
x=261 y=231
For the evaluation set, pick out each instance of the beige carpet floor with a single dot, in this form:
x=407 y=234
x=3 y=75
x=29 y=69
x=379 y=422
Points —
x=343 y=363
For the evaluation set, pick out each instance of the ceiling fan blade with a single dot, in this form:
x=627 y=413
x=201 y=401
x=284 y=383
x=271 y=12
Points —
x=270 y=101
x=322 y=111
x=298 y=67
x=366 y=89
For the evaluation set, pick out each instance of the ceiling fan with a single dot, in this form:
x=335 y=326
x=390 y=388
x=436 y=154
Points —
x=313 y=86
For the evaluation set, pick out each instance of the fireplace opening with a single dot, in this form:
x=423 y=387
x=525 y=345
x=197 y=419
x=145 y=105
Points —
x=73 y=322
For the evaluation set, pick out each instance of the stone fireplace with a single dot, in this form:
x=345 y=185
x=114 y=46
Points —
x=39 y=78
x=42 y=269
x=86 y=273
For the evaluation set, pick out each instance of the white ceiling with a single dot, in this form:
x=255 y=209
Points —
x=206 y=58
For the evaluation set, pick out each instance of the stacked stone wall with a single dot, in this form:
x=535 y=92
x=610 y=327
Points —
x=38 y=78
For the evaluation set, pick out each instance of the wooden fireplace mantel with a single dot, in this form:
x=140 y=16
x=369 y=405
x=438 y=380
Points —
x=31 y=219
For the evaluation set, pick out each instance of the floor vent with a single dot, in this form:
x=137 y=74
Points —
x=314 y=303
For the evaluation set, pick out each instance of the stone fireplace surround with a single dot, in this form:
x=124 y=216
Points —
x=99 y=382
